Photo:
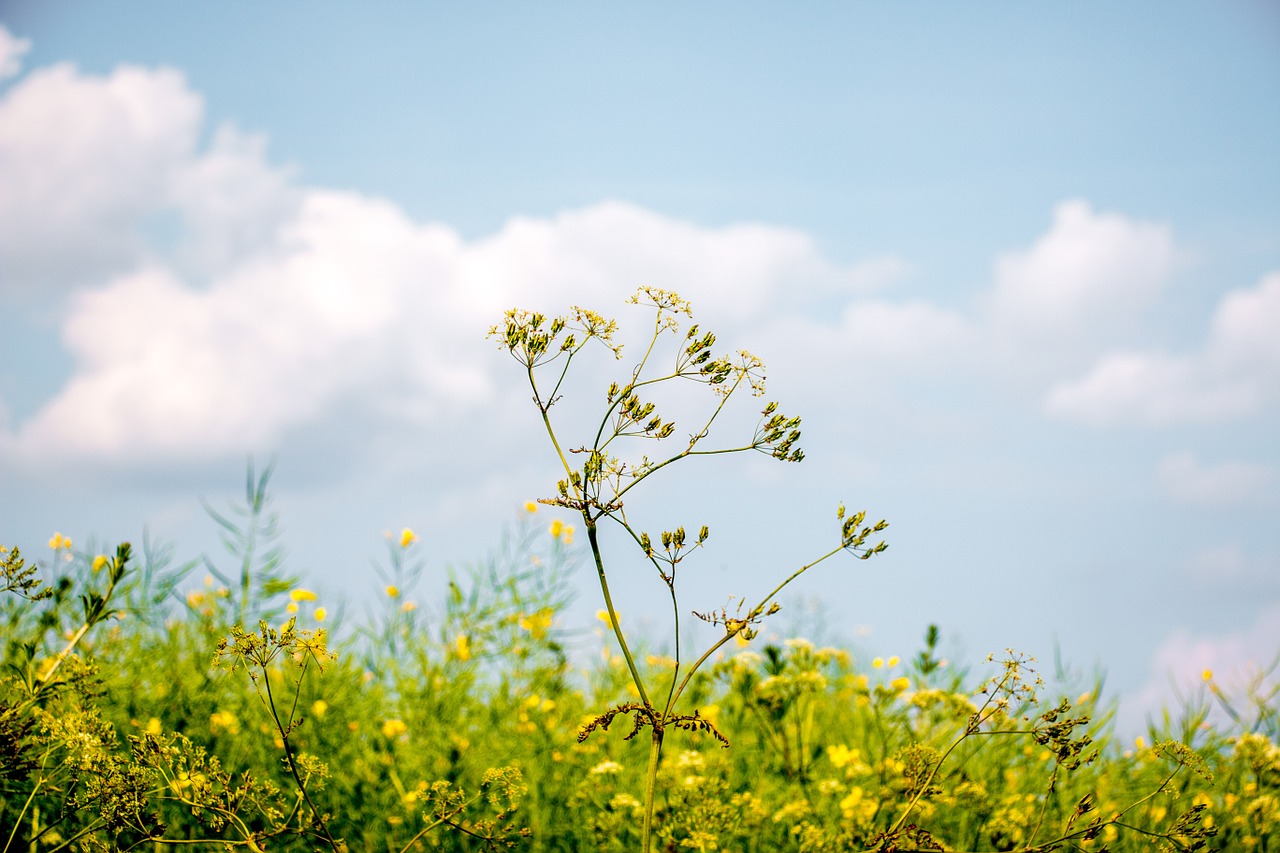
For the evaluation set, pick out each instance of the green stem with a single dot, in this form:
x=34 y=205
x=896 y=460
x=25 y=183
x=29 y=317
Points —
x=293 y=768
x=651 y=788
x=593 y=538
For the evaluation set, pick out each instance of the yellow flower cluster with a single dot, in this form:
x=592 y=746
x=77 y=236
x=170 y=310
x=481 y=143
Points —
x=462 y=647
x=561 y=531
x=224 y=721
x=60 y=542
x=537 y=624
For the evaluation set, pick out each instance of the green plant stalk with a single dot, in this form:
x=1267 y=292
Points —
x=593 y=538
x=288 y=754
x=651 y=787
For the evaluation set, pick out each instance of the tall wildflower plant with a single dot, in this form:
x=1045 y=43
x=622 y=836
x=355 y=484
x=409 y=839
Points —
x=598 y=481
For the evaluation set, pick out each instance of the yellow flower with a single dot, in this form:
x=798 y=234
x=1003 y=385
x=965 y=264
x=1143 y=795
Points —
x=407 y=538
x=840 y=755
x=393 y=591
x=900 y=684
x=530 y=507
x=60 y=542
x=462 y=647
x=408 y=607
x=195 y=599
x=224 y=721
x=1207 y=675
x=603 y=616
x=99 y=561
x=320 y=614
x=153 y=726
x=557 y=527
x=878 y=663
x=318 y=707
x=537 y=623
x=893 y=661
x=394 y=728
x=858 y=807
x=292 y=607
x=567 y=536
x=302 y=595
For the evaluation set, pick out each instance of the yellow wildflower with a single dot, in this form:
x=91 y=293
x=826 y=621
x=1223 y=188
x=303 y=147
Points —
x=224 y=721
x=407 y=538
x=462 y=647
x=557 y=527
x=857 y=806
x=60 y=542
x=538 y=623
x=302 y=595
x=195 y=599
x=900 y=684
x=321 y=613
x=292 y=607
x=393 y=591
x=840 y=755
x=408 y=607
x=318 y=707
x=878 y=663
x=566 y=537
x=530 y=507
x=893 y=661
x=394 y=728
x=99 y=561
x=1207 y=675
x=603 y=616
x=153 y=726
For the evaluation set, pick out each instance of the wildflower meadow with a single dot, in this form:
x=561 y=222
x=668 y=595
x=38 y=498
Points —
x=221 y=704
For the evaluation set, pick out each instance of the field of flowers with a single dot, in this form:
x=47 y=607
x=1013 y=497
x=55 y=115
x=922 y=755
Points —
x=134 y=714
x=206 y=706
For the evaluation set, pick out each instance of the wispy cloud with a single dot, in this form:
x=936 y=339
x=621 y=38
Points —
x=12 y=49
x=1235 y=374
x=1186 y=480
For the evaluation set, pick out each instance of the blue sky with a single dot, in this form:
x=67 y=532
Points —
x=1017 y=267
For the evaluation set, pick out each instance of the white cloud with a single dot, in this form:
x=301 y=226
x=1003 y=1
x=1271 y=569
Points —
x=1185 y=480
x=12 y=49
x=1090 y=272
x=1236 y=374
x=83 y=160
x=275 y=307
x=89 y=162
x=359 y=305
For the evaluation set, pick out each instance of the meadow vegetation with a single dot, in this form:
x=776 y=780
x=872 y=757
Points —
x=147 y=705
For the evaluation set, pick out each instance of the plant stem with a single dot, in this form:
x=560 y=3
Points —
x=593 y=537
x=651 y=788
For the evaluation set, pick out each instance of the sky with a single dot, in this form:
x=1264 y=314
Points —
x=1016 y=267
